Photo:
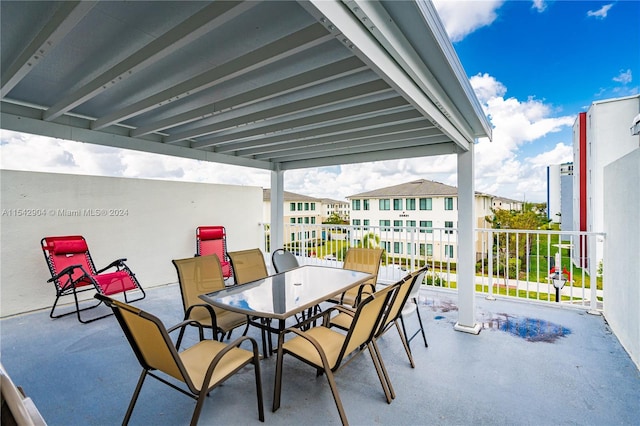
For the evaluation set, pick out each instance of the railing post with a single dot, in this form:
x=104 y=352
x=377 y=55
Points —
x=593 y=274
x=490 y=296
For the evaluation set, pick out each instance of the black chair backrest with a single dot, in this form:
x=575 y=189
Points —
x=284 y=260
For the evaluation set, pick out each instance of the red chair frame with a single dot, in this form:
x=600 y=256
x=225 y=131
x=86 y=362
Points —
x=213 y=240
x=73 y=271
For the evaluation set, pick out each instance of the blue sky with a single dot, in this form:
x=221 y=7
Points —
x=533 y=64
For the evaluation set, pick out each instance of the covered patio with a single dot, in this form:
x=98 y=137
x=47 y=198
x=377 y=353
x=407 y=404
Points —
x=530 y=364
x=276 y=85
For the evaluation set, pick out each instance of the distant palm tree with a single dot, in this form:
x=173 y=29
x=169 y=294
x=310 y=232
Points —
x=370 y=240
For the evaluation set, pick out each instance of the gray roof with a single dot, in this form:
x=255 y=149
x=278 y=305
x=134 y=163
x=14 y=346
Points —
x=416 y=188
x=289 y=196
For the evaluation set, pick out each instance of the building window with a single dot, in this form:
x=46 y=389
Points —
x=426 y=249
x=448 y=250
x=306 y=220
x=313 y=234
x=409 y=251
x=397 y=203
x=365 y=222
x=411 y=224
x=292 y=220
x=384 y=204
x=313 y=206
x=397 y=247
x=299 y=220
x=397 y=225
x=384 y=225
x=411 y=203
x=426 y=226
x=425 y=204
x=299 y=206
x=292 y=207
x=448 y=203
x=386 y=245
x=355 y=204
x=356 y=222
x=448 y=224
x=293 y=236
x=306 y=206
x=313 y=220
x=365 y=203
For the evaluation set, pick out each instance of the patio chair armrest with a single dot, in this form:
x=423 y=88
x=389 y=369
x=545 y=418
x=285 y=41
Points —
x=66 y=271
x=118 y=263
x=361 y=292
x=212 y=313
x=183 y=324
x=311 y=340
x=233 y=345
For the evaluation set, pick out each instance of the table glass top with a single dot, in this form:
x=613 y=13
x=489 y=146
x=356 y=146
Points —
x=287 y=293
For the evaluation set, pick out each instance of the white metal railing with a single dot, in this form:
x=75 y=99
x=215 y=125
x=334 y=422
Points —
x=523 y=264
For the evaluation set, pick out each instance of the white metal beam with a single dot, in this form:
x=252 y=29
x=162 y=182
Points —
x=378 y=120
x=65 y=18
x=54 y=129
x=466 y=244
x=314 y=77
x=317 y=119
x=373 y=144
x=395 y=154
x=189 y=30
x=394 y=129
x=272 y=52
x=389 y=35
x=325 y=99
x=357 y=37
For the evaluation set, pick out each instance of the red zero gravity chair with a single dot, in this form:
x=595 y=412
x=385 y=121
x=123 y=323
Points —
x=213 y=240
x=73 y=271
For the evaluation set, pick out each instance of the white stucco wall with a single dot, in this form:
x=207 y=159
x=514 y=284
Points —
x=622 y=251
x=153 y=222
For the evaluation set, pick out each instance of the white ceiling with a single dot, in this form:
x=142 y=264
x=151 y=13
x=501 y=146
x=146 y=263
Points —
x=267 y=84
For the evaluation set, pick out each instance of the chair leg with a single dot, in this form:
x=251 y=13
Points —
x=200 y=402
x=336 y=396
x=134 y=398
x=426 y=345
x=277 y=387
x=405 y=342
x=383 y=375
x=256 y=365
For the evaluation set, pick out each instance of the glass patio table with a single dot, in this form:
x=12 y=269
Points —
x=283 y=295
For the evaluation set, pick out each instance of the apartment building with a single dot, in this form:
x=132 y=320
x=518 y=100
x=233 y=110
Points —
x=341 y=208
x=600 y=136
x=298 y=210
x=416 y=217
x=560 y=195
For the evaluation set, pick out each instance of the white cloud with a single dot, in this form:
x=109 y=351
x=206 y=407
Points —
x=539 y=5
x=624 y=77
x=461 y=18
x=600 y=13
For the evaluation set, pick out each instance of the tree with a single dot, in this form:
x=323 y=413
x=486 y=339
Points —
x=335 y=219
x=513 y=244
x=370 y=240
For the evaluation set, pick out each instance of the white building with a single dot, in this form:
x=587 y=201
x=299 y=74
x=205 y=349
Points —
x=600 y=136
x=341 y=208
x=430 y=207
x=298 y=210
x=560 y=195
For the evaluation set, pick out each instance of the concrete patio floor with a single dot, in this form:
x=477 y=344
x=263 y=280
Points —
x=530 y=365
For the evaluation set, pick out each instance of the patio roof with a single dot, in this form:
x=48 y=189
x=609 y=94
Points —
x=275 y=85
